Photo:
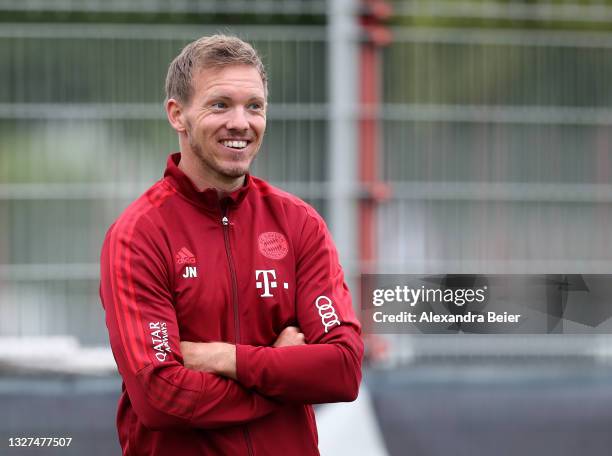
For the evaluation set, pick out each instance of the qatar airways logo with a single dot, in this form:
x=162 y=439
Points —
x=159 y=338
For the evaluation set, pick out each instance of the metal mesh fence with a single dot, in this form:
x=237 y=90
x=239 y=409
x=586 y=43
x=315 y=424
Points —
x=495 y=140
x=83 y=132
x=498 y=144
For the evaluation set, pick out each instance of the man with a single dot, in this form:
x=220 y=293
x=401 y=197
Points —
x=225 y=303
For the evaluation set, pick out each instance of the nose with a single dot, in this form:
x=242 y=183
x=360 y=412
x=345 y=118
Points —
x=237 y=120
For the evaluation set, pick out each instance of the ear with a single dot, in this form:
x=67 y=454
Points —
x=174 y=111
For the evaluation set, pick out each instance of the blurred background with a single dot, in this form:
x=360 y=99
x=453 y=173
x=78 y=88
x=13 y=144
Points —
x=434 y=136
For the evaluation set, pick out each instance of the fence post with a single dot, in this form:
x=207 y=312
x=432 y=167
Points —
x=343 y=154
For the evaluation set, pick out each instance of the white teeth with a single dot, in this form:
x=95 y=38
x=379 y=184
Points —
x=235 y=144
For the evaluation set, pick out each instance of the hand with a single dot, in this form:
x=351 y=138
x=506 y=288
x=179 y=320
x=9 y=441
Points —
x=290 y=336
x=214 y=357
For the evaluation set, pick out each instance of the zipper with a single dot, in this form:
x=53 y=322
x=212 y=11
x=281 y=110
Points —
x=226 y=223
x=230 y=260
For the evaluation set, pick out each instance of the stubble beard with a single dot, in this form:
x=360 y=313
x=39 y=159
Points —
x=230 y=172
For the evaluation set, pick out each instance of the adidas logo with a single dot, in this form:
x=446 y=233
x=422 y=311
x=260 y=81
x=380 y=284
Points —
x=184 y=256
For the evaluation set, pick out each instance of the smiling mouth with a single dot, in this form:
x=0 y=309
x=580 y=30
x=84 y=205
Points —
x=235 y=144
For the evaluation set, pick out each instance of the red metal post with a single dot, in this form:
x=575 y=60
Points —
x=377 y=35
x=370 y=144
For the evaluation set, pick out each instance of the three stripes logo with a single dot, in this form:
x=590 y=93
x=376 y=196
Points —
x=184 y=256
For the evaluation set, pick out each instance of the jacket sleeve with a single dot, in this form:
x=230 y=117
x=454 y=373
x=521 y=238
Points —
x=328 y=367
x=144 y=337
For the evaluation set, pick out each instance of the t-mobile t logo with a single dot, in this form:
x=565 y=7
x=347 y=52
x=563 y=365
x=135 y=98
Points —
x=269 y=281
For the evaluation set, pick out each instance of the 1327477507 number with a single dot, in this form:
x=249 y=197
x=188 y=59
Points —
x=39 y=441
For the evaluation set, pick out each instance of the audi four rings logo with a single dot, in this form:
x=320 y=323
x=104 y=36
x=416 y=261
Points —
x=327 y=312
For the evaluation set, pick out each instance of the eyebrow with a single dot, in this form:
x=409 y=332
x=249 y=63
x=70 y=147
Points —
x=222 y=96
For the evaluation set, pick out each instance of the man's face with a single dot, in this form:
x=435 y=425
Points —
x=226 y=119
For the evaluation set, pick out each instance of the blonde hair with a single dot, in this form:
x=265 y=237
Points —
x=215 y=51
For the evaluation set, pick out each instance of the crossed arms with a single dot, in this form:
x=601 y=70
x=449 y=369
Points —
x=210 y=385
x=220 y=357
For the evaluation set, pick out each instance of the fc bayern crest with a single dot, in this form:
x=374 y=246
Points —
x=273 y=245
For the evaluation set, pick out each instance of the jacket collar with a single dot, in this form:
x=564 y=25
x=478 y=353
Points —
x=208 y=197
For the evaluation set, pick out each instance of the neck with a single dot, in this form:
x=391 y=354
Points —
x=203 y=178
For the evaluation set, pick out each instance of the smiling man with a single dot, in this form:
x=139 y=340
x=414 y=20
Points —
x=225 y=302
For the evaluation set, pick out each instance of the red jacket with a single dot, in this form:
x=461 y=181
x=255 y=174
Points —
x=179 y=264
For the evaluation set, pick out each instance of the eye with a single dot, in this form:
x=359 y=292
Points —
x=219 y=105
x=256 y=106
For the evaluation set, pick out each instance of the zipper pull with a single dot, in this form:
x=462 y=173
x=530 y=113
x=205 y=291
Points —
x=225 y=220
